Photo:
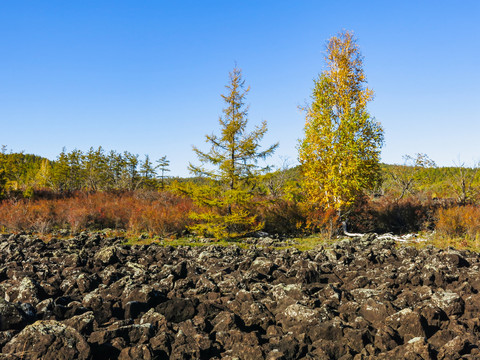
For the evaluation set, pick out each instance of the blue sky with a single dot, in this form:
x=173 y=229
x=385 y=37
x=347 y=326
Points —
x=146 y=76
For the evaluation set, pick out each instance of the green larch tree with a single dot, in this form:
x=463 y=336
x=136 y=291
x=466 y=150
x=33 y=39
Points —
x=77 y=172
x=232 y=163
x=130 y=176
x=341 y=149
x=3 y=170
x=68 y=172
x=163 y=164
x=115 y=165
x=148 y=173
x=61 y=172
x=95 y=166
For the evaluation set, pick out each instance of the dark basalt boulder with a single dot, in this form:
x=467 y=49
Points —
x=48 y=340
x=15 y=316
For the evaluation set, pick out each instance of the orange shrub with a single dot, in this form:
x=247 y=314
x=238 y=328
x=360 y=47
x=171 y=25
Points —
x=40 y=216
x=459 y=221
x=156 y=213
x=13 y=215
x=325 y=221
x=166 y=217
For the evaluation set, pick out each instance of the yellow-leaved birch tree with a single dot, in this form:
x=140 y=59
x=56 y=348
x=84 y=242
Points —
x=341 y=149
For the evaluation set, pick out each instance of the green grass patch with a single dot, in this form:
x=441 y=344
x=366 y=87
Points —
x=185 y=241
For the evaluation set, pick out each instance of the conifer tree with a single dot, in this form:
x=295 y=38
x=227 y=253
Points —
x=130 y=176
x=148 y=173
x=341 y=149
x=61 y=173
x=95 y=167
x=3 y=170
x=163 y=164
x=115 y=168
x=233 y=160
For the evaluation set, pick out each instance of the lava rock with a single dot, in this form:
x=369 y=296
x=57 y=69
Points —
x=48 y=340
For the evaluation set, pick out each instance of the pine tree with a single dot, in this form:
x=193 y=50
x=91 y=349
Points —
x=61 y=173
x=3 y=170
x=148 y=173
x=233 y=159
x=163 y=165
x=341 y=149
x=130 y=176
x=95 y=167
x=115 y=166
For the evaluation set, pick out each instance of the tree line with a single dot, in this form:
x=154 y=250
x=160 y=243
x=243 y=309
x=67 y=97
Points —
x=93 y=170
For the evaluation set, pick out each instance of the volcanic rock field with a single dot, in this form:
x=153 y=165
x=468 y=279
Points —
x=92 y=297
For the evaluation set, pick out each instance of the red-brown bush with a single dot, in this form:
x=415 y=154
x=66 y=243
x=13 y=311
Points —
x=157 y=213
x=384 y=215
x=459 y=221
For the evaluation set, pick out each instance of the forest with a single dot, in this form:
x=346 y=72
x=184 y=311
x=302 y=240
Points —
x=340 y=183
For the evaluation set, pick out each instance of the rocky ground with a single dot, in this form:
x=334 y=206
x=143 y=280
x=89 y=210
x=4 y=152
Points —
x=365 y=298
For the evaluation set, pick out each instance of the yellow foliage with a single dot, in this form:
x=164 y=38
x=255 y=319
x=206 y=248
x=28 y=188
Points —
x=229 y=226
x=340 y=151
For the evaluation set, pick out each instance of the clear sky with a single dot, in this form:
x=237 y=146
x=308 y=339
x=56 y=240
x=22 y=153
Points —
x=146 y=76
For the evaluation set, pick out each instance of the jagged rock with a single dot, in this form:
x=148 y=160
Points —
x=26 y=290
x=82 y=323
x=48 y=340
x=362 y=298
x=435 y=318
x=6 y=336
x=262 y=266
x=136 y=352
x=256 y=315
x=449 y=302
x=415 y=349
x=157 y=320
x=326 y=349
x=85 y=283
x=386 y=339
x=106 y=255
x=407 y=323
x=455 y=348
x=374 y=311
x=296 y=313
x=177 y=310
x=15 y=316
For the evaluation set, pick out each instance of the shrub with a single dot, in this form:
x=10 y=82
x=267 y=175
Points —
x=158 y=213
x=459 y=221
x=324 y=221
x=168 y=215
x=40 y=217
x=280 y=216
x=13 y=215
x=386 y=214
